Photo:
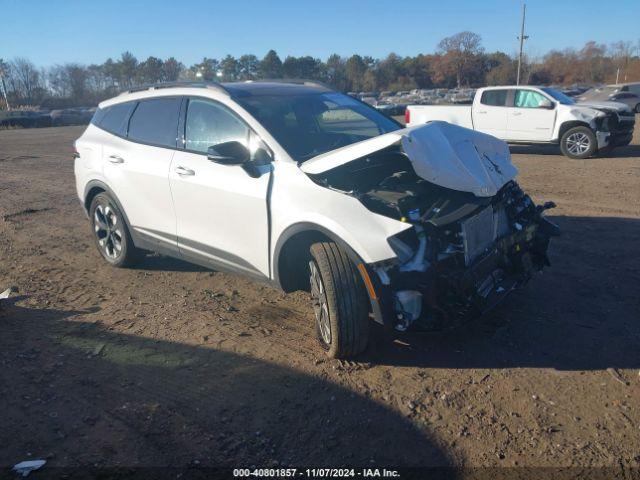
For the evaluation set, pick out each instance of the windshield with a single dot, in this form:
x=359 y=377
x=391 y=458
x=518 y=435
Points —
x=559 y=96
x=310 y=124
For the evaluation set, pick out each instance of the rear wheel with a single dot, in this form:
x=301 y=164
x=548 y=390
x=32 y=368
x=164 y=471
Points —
x=637 y=109
x=578 y=143
x=111 y=233
x=339 y=301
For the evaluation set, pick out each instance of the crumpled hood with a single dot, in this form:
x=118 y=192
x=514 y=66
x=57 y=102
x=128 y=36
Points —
x=604 y=105
x=447 y=155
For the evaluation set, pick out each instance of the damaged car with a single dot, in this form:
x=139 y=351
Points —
x=293 y=184
x=530 y=115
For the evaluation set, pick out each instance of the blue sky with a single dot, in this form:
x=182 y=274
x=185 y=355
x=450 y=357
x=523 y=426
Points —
x=90 y=31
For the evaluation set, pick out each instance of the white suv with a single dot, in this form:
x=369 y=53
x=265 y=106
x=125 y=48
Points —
x=309 y=189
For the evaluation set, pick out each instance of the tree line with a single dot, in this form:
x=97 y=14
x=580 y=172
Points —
x=459 y=61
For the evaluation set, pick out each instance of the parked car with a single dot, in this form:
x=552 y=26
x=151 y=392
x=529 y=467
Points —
x=71 y=116
x=532 y=115
x=627 y=93
x=572 y=91
x=307 y=189
x=390 y=109
x=24 y=119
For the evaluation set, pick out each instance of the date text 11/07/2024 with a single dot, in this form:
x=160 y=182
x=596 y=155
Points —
x=316 y=473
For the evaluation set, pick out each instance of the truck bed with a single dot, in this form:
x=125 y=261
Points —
x=456 y=114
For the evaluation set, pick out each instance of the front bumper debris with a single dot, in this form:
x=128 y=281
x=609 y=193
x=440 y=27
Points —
x=463 y=284
x=603 y=139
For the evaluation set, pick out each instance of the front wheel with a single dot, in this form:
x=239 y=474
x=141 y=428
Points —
x=339 y=301
x=578 y=143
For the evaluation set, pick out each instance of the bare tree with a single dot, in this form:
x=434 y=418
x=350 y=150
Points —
x=461 y=52
x=58 y=81
x=27 y=77
x=4 y=72
x=622 y=53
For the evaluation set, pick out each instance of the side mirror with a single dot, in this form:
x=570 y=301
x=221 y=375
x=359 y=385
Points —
x=229 y=153
x=546 y=103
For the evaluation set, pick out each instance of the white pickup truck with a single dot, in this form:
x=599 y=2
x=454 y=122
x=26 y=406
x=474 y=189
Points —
x=532 y=115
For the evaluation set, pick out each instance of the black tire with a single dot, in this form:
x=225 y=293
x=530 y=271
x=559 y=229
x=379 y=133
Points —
x=111 y=232
x=340 y=301
x=578 y=143
x=637 y=109
x=604 y=151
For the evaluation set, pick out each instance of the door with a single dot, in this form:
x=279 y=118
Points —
x=221 y=210
x=529 y=120
x=490 y=113
x=137 y=169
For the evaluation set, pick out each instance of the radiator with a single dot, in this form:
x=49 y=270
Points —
x=479 y=233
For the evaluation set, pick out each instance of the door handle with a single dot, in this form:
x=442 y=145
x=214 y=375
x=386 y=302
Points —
x=185 y=171
x=115 y=159
x=483 y=111
x=516 y=114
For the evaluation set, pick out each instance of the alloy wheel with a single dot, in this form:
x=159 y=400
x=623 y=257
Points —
x=108 y=230
x=320 y=305
x=578 y=143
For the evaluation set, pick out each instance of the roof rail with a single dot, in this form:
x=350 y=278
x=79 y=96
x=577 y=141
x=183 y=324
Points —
x=297 y=81
x=158 y=86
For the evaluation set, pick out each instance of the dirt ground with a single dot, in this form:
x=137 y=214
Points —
x=169 y=364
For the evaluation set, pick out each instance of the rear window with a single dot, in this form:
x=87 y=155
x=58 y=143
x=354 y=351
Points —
x=113 y=119
x=155 y=122
x=496 y=98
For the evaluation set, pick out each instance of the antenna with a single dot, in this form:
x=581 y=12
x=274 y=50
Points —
x=522 y=38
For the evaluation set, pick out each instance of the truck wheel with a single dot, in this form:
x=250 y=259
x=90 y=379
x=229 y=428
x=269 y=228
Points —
x=111 y=233
x=339 y=301
x=578 y=143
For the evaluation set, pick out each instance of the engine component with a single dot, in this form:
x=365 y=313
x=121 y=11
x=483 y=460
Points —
x=478 y=233
x=418 y=263
x=408 y=306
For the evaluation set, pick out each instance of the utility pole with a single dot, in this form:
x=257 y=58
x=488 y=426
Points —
x=522 y=38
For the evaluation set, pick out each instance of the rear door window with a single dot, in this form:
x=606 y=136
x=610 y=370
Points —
x=494 y=98
x=155 y=122
x=114 y=119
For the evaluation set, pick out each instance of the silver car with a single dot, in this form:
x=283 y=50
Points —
x=627 y=93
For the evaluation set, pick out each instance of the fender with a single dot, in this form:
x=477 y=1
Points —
x=100 y=184
x=568 y=124
x=301 y=227
x=137 y=241
x=381 y=306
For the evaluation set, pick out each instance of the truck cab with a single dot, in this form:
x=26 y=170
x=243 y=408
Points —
x=522 y=114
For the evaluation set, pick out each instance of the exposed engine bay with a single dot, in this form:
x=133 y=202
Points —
x=464 y=252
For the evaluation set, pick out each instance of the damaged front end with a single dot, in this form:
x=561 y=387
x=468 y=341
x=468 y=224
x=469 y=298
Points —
x=463 y=254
